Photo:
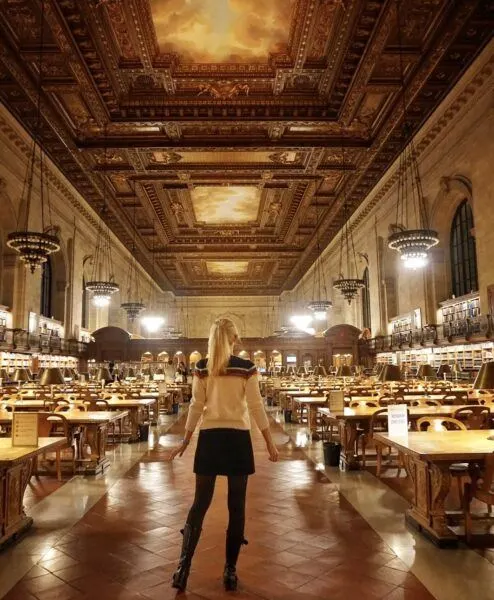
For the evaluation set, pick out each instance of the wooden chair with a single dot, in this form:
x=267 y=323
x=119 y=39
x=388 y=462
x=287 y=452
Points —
x=422 y=402
x=457 y=470
x=95 y=404
x=386 y=400
x=364 y=404
x=51 y=425
x=480 y=488
x=474 y=417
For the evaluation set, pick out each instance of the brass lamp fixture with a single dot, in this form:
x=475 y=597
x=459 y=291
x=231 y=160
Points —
x=34 y=247
x=134 y=305
x=102 y=285
x=320 y=305
x=344 y=371
x=4 y=375
x=426 y=370
x=444 y=370
x=414 y=242
x=485 y=377
x=51 y=376
x=103 y=373
x=390 y=373
x=348 y=286
x=21 y=375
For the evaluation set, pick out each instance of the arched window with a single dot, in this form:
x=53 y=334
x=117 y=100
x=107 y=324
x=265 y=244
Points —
x=463 y=252
x=46 y=287
x=366 y=309
x=85 y=312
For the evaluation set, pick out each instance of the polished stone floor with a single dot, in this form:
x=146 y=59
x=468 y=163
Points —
x=313 y=533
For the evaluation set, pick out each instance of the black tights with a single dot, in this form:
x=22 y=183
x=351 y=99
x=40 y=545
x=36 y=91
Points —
x=237 y=488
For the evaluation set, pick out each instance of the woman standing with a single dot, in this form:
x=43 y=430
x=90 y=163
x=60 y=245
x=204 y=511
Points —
x=225 y=393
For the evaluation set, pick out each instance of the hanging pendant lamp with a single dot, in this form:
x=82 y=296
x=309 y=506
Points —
x=348 y=286
x=102 y=285
x=412 y=242
x=319 y=305
x=34 y=247
x=133 y=307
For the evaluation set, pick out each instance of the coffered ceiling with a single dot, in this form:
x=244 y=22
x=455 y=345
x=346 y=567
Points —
x=228 y=133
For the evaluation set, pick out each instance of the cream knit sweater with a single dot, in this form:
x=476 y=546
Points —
x=226 y=401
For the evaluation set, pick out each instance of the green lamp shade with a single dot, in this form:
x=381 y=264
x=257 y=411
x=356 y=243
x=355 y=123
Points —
x=426 y=371
x=21 y=375
x=344 y=371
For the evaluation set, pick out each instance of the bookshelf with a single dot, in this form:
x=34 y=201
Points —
x=460 y=309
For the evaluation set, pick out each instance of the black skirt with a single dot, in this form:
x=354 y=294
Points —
x=224 y=452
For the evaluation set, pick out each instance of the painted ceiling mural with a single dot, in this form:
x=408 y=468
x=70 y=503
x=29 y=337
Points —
x=218 y=126
x=220 y=205
x=218 y=31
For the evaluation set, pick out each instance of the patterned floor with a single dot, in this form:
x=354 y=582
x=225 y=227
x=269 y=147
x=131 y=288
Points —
x=305 y=539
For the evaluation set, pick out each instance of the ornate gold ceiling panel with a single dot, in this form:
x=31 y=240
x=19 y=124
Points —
x=219 y=124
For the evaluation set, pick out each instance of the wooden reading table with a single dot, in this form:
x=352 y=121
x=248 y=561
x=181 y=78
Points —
x=353 y=421
x=16 y=464
x=428 y=456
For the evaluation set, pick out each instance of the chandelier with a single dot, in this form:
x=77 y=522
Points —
x=319 y=304
x=34 y=247
x=151 y=320
x=133 y=307
x=348 y=286
x=412 y=243
x=102 y=285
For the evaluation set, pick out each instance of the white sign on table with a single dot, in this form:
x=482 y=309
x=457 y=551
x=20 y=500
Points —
x=398 y=419
x=336 y=401
x=24 y=429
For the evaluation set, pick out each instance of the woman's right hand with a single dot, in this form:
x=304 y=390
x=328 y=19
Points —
x=273 y=452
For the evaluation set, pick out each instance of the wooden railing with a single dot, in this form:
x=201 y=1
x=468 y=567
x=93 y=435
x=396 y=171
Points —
x=471 y=329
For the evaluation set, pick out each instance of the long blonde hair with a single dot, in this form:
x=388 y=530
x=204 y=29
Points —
x=222 y=335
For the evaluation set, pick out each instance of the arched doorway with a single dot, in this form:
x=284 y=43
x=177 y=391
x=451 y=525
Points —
x=260 y=360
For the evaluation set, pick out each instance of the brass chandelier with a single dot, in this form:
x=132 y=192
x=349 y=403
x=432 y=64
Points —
x=133 y=307
x=34 y=247
x=102 y=285
x=348 y=286
x=412 y=243
x=319 y=304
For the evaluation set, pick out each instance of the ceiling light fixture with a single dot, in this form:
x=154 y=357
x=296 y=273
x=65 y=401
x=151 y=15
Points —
x=34 y=247
x=348 y=286
x=319 y=305
x=413 y=244
x=133 y=307
x=102 y=285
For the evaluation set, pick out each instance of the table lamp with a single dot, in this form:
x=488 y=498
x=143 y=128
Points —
x=390 y=373
x=52 y=376
x=426 y=371
x=67 y=375
x=103 y=374
x=320 y=371
x=443 y=371
x=4 y=375
x=485 y=377
x=21 y=376
x=344 y=371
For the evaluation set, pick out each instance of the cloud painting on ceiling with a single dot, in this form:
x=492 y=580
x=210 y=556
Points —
x=218 y=204
x=219 y=31
x=225 y=268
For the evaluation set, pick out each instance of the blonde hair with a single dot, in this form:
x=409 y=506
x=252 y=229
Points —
x=222 y=335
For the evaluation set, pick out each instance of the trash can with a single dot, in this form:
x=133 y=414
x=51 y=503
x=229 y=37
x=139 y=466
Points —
x=143 y=432
x=175 y=406
x=331 y=454
x=288 y=415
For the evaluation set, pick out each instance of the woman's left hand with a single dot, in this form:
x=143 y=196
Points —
x=178 y=451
